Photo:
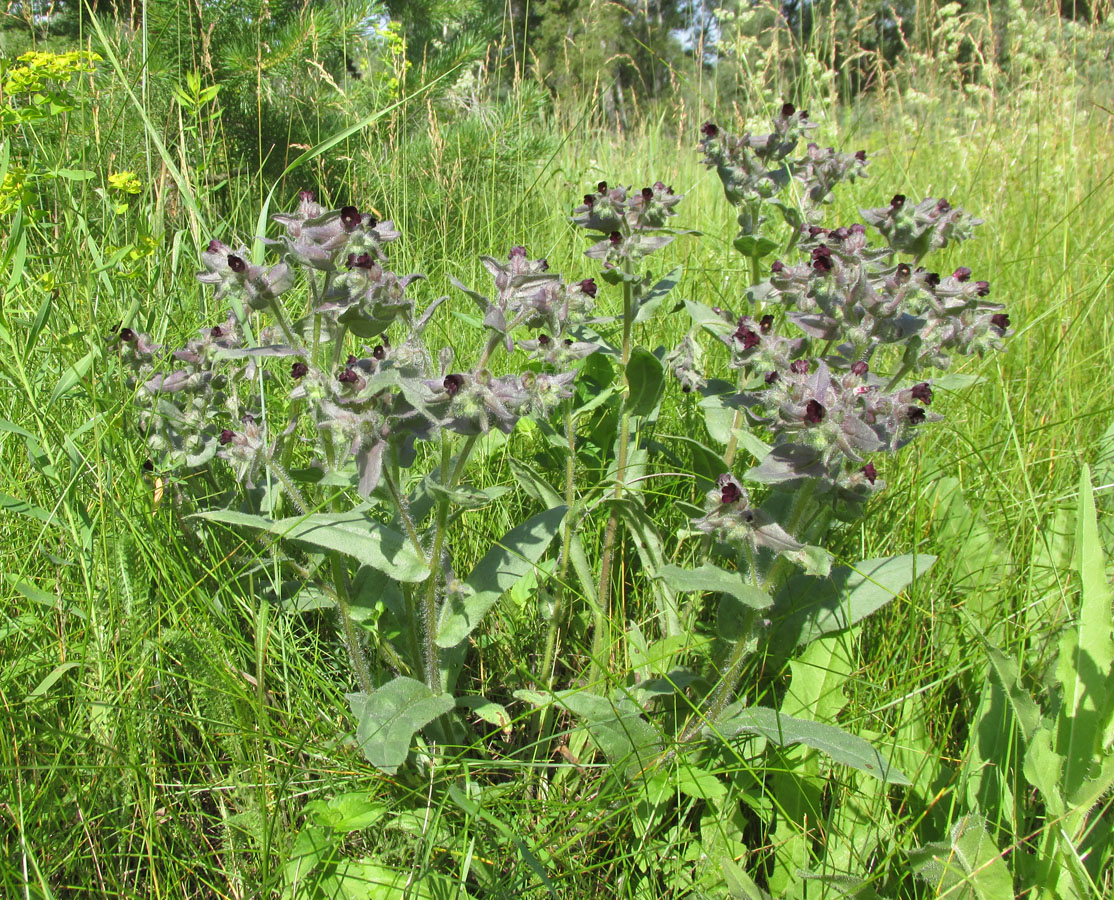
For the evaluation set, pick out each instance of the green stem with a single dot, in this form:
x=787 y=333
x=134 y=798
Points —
x=432 y=655
x=601 y=639
x=549 y=655
x=351 y=639
x=280 y=317
x=279 y=471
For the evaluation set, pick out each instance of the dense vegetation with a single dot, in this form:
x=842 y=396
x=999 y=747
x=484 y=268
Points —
x=585 y=678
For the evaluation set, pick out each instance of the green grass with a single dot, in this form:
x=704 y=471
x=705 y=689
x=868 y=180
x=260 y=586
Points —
x=163 y=726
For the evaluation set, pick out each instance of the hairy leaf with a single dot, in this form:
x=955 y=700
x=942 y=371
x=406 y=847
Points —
x=389 y=717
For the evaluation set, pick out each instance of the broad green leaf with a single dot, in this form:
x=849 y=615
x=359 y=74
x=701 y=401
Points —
x=819 y=674
x=969 y=866
x=817 y=607
x=698 y=783
x=712 y=578
x=515 y=554
x=649 y=303
x=310 y=847
x=703 y=317
x=389 y=717
x=351 y=534
x=754 y=246
x=646 y=378
x=783 y=731
x=362 y=879
x=616 y=725
x=74 y=174
x=739 y=884
x=353 y=811
x=488 y=710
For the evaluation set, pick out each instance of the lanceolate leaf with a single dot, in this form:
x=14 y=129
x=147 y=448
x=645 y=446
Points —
x=712 y=578
x=652 y=300
x=646 y=378
x=388 y=719
x=616 y=724
x=785 y=730
x=818 y=607
x=512 y=557
x=352 y=534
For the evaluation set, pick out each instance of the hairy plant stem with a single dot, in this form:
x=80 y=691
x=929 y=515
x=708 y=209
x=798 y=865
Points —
x=432 y=654
x=553 y=629
x=279 y=471
x=280 y=317
x=737 y=419
x=601 y=638
x=351 y=638
x=732 y=675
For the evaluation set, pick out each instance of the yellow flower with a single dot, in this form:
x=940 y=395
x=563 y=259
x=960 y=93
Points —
x=125 y=182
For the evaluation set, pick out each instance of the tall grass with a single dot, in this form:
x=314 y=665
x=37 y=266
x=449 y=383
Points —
x=163 y=728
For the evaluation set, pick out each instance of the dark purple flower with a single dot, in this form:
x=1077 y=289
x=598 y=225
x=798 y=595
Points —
x=858 y=228
x=943 y=206
x=814 y=230
x=543 y=340
x=814 y=412
x=351 y=361
x=772 y=378
x=216 y=331
x=897 y=202
x=148 y=466
x=766 y=323
x=379 y=352
x=915 y=414
x=588 y=286
x=982 y=288
x=998 y=320
x=589 y=200
x=518 y=251
x=839 y=234
x=452 y=384
x=822 y=265
x=787 y=109
x=307 y=196
x=299 y=370
x=860 y=155
x=869 y=472
x=730 y=493
x=748 y=336
x=647 y=194
x=350 y=218
x=932 y=279
x=799 y=366
x=903 y=272
x=363 y=261
x=348 y=376
x=777 y=266
x=602 y=187
x=127 y=335
x=615 y=238
x=236 y=264
x=214 y=246
x=922 y=393
x=961 y=274
x=226 y=436
x=709 y=129
x=859 y=368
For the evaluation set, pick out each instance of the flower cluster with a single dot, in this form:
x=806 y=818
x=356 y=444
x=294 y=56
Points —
x=756 y=168
x=632 y=222
x=367 y=407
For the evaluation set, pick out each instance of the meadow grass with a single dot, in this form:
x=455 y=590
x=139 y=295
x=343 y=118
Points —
x=164 y=727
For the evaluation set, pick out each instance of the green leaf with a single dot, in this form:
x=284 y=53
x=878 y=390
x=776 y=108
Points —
x=967 y=867
x=48 y=682
x=754 y=246
x=713 y=579
x=74 y=174
x=649 y=303
x=818 y=607
x=389 y=718
x=491 y=712
x=513 y=556
x=739 y=884
x=71 y=377
x=347 y=812
x=616 y=725
x=1004 y=672
x=310 y=847
x=698 y=783
x=351 y=534
x=646 y=379
x=783 y=731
